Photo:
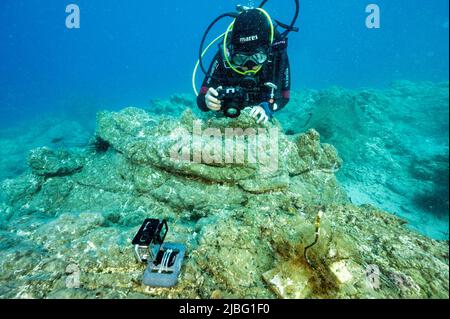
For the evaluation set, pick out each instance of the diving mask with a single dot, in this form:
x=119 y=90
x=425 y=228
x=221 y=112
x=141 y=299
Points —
x=241 y=59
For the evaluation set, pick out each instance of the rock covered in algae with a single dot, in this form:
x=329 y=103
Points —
x=47 y=162
x=401 y=130
x=16 y=142
x=245 y=223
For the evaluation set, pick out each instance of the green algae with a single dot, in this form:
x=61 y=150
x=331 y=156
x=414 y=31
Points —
x=245 y=229
x=394 y=143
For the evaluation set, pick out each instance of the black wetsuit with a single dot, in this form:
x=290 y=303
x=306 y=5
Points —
x=276 y=70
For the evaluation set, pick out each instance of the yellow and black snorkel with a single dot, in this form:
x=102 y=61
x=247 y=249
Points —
x=226 y=36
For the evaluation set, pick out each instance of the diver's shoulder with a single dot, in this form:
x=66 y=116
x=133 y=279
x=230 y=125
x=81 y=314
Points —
x=280 y=43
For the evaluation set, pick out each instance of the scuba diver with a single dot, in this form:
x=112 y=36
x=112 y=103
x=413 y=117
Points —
x=251 y=69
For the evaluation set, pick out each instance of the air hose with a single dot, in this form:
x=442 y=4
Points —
x=198 y=62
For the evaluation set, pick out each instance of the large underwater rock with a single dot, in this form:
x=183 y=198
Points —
x=47 y=162
x=245 y=220
x=57 y=133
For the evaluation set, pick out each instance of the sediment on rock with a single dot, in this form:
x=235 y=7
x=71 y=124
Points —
x=245 y=227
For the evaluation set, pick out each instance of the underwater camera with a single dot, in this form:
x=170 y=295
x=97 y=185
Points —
x=163 y=260
x=233 y=99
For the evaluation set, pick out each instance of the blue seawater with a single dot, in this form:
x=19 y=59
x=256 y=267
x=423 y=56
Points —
x=126 y=53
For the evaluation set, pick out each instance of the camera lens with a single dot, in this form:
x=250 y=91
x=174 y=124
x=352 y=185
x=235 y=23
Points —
x=232 y=112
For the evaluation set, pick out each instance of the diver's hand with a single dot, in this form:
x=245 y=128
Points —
x=211 y=101
x=259 y=110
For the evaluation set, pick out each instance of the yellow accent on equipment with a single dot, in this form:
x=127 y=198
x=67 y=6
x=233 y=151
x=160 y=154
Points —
x=225 y=53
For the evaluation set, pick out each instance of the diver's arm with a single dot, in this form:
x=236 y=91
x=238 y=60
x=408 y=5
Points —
x=283 y=81
x=201 y=102
x=210 y=81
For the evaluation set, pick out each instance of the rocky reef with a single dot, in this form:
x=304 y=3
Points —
x=245 y=224
x=394 y=143
x=57 y=133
